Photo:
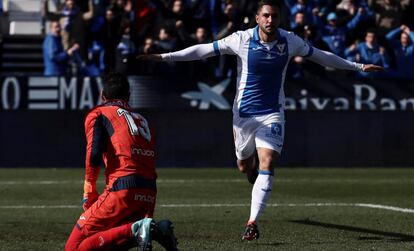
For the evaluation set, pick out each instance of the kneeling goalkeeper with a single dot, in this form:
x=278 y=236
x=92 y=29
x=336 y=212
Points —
x=121 y=217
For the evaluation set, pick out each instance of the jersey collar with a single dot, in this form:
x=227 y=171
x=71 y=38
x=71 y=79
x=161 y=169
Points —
x=117 y=102
x=256 y=36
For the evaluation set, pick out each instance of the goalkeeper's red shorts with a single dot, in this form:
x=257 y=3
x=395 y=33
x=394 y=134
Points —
x=118 y=206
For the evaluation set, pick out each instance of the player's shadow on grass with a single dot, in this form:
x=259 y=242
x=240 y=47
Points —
x=395 y=236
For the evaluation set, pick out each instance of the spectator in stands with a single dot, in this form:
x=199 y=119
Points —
x=201 y=36
x=216 y=15
x=403 y=50
x=352 y=6
x=388 y=15
x=184 y=38
x=117 y=14
x=72 y=21
x=325 y=6
x=126 y=50
x=122 y=9
x=204 y=69
x=230 y=24
x=98 y=20
x=335 y=36
x=166 y=40
x=247 y=10
x=148 y=47
x=111 y=36
x=225 y=65
x=202 y=14
x=187 y=39
x=348 y=6
x=307 y=8
x=94 y=65
x=301 y=20
x=369 y=52
x=296 y=67
x=347 y=9
x=145 y=14
x=55 y=58
x=176 y=12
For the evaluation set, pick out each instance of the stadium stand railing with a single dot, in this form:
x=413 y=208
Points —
x=21 y=45
x=22 y=55
x=24 y=17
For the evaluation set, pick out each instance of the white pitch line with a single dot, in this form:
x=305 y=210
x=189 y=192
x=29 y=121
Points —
x=361 y=205
x=391 y=208
x=38 y=182
x=39 y=206
x=184 y=181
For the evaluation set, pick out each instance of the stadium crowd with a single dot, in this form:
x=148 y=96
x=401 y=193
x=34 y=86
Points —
x=96 y=36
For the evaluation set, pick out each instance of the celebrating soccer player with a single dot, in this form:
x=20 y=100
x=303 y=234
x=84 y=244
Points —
x=121 y=217
x=263 y=54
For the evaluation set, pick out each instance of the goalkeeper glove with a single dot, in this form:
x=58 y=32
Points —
x=90 y=195
x=89 y=199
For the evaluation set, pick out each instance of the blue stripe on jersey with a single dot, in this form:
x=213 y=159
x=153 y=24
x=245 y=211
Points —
x=102 y=131
x=216 y=48
x=256 y=33
x=310 y=52
x=264 y=77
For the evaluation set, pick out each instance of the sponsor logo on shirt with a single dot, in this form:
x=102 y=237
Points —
x=143 y=152
x=145 y=198
x=257 y=48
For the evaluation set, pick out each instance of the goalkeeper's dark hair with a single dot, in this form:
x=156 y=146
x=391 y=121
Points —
x=272 y=3
x=116 y=86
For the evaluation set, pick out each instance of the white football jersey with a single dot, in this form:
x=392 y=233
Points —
x=261 y=68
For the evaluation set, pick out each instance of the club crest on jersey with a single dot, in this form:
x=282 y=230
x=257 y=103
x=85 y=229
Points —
x=281 y=49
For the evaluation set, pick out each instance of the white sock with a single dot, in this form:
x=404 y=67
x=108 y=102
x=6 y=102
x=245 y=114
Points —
x=260 y=194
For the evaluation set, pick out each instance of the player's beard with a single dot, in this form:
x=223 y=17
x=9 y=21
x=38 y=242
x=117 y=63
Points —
x=270 y=30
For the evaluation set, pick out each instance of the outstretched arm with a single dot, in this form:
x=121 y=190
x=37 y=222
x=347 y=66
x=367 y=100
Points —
x=195 y=52
x=331 y=60
x=229 y=45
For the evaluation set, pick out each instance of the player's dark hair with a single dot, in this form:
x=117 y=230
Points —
x=116 y=86
x=272 y=3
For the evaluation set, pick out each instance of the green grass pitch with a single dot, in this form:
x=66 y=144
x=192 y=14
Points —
x=310 y=209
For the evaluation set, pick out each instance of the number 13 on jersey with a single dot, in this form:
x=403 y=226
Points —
x=142 y=130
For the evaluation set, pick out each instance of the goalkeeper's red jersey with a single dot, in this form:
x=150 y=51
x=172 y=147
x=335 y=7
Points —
x=122 y=139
